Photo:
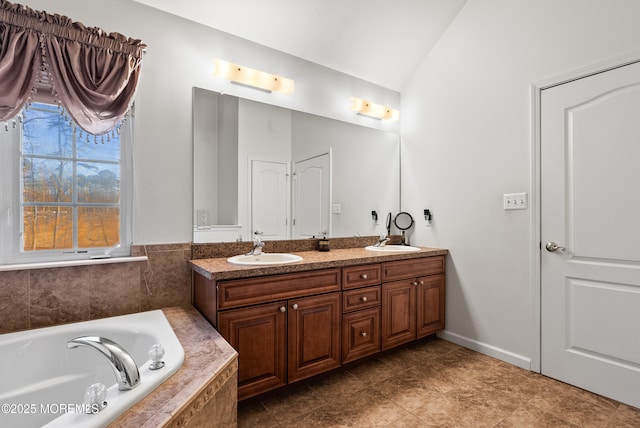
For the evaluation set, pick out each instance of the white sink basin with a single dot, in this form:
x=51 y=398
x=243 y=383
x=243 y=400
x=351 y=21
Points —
x=264 y=259
x=393 y=248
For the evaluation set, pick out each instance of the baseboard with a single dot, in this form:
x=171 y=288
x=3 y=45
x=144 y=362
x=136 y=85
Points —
x=490 y=350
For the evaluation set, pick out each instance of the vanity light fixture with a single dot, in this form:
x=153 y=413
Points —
x=374 y=110
x=253 y=78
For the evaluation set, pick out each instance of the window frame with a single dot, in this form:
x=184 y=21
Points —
x=11 y=191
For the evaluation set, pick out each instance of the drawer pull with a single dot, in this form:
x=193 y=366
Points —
x=364 y=276
x=363 y=333
x=295 y=306
x=283 y=309
x=364 y=298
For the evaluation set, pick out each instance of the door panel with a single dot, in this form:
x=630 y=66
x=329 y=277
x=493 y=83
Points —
x=398 y=313
x=313 y=335
x=269 y=199
x=258 y=334
x=590 y=204
x=311 y=197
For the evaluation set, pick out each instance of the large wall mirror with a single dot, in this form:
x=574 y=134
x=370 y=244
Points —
x=265 y=171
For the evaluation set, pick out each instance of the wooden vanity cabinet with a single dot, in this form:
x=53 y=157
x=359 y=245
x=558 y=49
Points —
x=291 y=326
x=282 y=341
x=413 y=299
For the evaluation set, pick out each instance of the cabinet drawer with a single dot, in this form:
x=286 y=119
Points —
x=361 y=298
x=250 y=291
x=412 y=268
x=361 y=276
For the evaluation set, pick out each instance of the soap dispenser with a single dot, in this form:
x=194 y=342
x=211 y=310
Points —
x=323 y=244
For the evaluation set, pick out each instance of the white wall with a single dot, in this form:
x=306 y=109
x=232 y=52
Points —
x=180 y=56
x=466 y=130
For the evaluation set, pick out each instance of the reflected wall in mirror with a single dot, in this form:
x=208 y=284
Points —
x=274 y=173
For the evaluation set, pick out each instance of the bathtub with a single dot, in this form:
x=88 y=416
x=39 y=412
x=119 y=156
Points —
x=42 y=383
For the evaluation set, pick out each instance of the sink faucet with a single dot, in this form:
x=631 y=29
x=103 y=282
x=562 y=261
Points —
x=122 y=363
x=257 y=247
x=382 y=241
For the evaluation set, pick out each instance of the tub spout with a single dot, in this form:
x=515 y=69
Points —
x=122 y=363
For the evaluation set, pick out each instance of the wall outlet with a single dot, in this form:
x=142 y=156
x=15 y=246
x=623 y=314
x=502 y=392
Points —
x=203 y=218
x=515 y=201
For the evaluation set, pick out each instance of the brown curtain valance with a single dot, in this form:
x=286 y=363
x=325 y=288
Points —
x=92 y=75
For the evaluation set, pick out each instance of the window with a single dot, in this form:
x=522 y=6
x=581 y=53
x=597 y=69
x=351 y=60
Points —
x=65 y=192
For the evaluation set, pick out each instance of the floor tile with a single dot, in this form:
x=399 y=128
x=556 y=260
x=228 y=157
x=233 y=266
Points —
x=433 y=383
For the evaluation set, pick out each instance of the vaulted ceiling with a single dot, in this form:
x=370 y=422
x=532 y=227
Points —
x=380 y=41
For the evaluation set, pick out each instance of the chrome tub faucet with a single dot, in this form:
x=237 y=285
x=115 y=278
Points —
x=122 y=363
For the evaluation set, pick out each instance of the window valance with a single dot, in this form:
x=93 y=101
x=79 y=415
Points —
x=92 y=74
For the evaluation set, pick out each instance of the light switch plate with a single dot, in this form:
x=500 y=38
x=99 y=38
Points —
x=515 y=201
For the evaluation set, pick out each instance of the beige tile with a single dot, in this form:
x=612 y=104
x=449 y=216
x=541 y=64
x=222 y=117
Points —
x=337 y=387
x=59 y=296
x=166 y=280
x=625 y=417
x=292 y=403
x=445 y=386
x=14 y=301
x=532 y=417
x=114 y=289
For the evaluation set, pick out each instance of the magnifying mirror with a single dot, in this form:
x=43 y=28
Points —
x=403 y=222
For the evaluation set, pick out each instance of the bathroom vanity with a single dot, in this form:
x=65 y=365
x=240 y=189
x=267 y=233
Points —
x=290 y=322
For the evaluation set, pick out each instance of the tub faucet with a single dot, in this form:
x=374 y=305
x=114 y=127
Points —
x=122 y=363
x=257 y=247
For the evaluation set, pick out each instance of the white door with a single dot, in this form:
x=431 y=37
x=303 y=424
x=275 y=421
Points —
x=590 y=205
x=311 y=195
x=269 y=200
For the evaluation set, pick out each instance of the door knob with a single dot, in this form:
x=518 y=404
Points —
x=552 y=247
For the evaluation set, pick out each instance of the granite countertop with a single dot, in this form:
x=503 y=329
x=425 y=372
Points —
x=207 y=356
x=218 y=268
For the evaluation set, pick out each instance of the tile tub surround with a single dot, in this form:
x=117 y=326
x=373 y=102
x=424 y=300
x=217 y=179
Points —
x=34 y=298
x=219 y=268
x=202 y=392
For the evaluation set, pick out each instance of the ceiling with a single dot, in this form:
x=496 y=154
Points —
x=380 y=41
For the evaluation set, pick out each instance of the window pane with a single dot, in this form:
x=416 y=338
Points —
x=98 y=182
x=98 y=227
x=46 y=132
x=96 y=150
x=48 y=228
x=46 y=180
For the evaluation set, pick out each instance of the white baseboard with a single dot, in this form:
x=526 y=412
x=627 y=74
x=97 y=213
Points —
x=490 y=350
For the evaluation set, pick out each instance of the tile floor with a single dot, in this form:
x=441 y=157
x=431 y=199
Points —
x=434 y=383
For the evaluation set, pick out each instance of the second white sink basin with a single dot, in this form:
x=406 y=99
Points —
x=393 y=248
x=264 y=259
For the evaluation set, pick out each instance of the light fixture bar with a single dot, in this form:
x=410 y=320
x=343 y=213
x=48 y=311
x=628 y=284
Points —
x=371 y=109
x=253 y=78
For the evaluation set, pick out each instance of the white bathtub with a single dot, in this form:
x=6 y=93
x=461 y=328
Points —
x=42 y=383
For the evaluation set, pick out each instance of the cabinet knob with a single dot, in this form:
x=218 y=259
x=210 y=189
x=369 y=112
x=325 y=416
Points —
x=364 y=298
x=421 y=282
x=414 y=283
x=363 y=333
x=283 y=309
x=295 y=306
x=364 y=276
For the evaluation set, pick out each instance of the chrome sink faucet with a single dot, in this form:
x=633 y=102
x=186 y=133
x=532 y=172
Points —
x=382 y=241
x=123 y=365
x=257 y=247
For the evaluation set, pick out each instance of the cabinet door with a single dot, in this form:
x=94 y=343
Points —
x=430 y=304
x=314 y=335
x=398 y=313
x=360 y=334
x=259 y=335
